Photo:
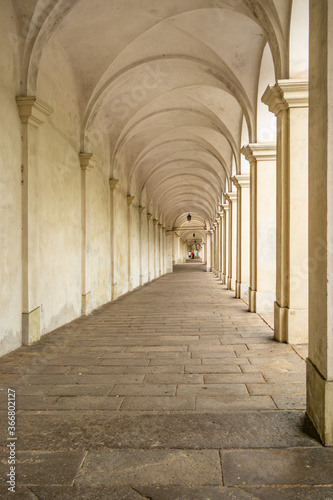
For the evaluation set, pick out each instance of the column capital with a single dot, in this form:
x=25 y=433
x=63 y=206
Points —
x=262 y=152
x=149 y=216
x=286 y=94
x=155 y=222
x=88 y=161
x=113 y=183
x=33 y=110
x=141 y=209
x=130 y=199
x=232 y=196
x=241 y=181
x=159 y=224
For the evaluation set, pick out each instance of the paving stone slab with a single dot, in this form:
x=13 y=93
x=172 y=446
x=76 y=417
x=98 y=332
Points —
x=151 y=467
x=292 y=493
x=95 y=430
x=212 y=390
x=199 y=493
x=156 y=403
x=144 y=390
x=237 y=378
x=21 y=493
x=111 y=379
x=173 y=379
x=290 y=402
x=87 y=403
x=84 y=493
x=276 y=389
x=80 y=390
x=229 y=403
x=44 y=467
x=278 y=467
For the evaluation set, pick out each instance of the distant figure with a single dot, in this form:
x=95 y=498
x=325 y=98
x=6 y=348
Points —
x=192 y=255
x=189 y=254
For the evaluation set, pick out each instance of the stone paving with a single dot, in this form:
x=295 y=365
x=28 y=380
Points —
x=173 y=392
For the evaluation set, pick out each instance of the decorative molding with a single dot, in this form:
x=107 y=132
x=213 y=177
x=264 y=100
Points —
x=113 y=183
x=33 y=110
x=286 y=94
x=130 y=199
x=88 y=161
x=262 y=152
x=231 y=197
x=241 y=180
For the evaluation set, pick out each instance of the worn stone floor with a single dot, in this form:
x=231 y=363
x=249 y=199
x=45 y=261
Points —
x=172 y=392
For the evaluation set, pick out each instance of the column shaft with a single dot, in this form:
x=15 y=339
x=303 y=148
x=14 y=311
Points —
x=320 y=360
x=288 y=99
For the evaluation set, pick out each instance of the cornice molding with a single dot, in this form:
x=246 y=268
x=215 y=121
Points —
x=130 y=200
x=33 y=110
x=262 y=152
x=286 y=94
x=113 y=183
x=88 y=161
x=241 y=180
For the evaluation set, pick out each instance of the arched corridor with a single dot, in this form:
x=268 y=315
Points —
x=160 y=394
x=137 y=135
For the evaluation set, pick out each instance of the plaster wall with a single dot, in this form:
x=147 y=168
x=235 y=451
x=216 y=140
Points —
x=59 y=194
x=10 y=188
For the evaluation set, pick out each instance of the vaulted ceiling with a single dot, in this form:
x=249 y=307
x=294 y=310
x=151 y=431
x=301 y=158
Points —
x=172 y=82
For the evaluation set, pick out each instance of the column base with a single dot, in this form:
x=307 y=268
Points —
x=229 y=283
x=252 y=300
x=31 y=326
x=114 y=291
x=319 y=405
x=86 y=307
x=130 y=285
x=224 y=279
x=242 y=290
x=290 y=325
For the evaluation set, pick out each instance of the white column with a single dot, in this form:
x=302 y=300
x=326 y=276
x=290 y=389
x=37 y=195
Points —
x=208 y=250
x=150 y=236
x=225 y=251
x=288 y=100
x=33 y=113
x=320 y=360
x=262 y=290
x=130 y=200
x=88 y=161
x=221 y=215
x=113 y=184
x=242 y=182
x=232 y=249
x=155 y=239
x=141 y=210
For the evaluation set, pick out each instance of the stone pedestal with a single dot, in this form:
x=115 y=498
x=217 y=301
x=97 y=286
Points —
x=242 y=182
x=320 y=361
x=33 y=113
x=262 y=290
x=288 y=100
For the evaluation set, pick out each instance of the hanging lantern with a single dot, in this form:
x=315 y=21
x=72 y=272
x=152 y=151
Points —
x=189 y=217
